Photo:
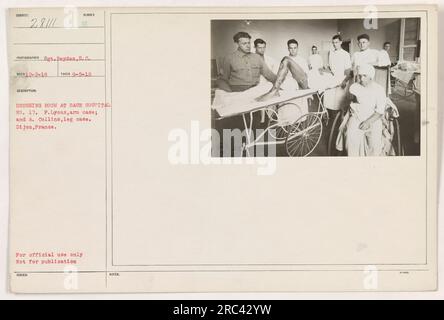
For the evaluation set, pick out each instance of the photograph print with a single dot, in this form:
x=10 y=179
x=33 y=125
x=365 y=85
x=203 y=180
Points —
x=322 y=87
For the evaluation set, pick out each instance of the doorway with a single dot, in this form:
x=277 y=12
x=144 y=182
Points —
x=346 y=44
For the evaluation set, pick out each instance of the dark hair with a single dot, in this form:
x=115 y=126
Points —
x=337 y=36
x=364 y=36
x=385 y=43
x=239 y=35
x=259 y=41
x=292 y=41
x=314 y=47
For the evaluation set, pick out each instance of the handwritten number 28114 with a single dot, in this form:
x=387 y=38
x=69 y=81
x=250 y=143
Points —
x=43 y=23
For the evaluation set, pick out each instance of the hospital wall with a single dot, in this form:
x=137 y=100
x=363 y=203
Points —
x=276 y=33
x=387 y=30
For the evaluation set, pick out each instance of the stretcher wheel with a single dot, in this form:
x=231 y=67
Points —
x=304 y=135
x=277 y=124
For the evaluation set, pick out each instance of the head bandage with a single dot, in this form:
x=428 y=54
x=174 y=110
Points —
x=366 y=69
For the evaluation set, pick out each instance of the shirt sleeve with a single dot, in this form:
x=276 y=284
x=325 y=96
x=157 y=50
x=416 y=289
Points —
x=381 y=101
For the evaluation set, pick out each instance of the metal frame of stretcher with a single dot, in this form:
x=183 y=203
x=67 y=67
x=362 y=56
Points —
x=294 y=128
